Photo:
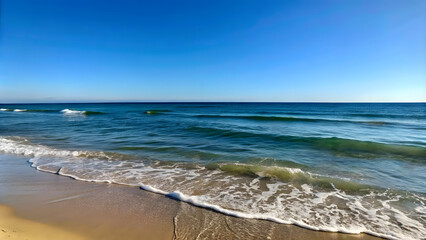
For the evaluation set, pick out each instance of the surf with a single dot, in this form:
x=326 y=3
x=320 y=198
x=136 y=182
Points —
x=300 y=190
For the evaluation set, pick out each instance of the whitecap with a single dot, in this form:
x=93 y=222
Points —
x=68 y=111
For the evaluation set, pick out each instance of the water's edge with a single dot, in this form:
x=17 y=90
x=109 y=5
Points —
x=178 y=196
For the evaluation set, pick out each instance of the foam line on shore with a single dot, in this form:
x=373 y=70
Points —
x=193 y=200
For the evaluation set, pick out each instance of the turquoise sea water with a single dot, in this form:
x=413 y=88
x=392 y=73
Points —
x=333 y=167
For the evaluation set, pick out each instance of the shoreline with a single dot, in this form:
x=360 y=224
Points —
x=112 y=211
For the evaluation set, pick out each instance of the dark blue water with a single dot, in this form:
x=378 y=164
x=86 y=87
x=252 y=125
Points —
x=334 y=167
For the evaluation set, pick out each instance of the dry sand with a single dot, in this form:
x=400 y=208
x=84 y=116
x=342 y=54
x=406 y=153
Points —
x=13 y=227
x=47 y=205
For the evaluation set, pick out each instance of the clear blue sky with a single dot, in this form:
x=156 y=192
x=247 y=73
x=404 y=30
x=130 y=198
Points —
x=157 y=50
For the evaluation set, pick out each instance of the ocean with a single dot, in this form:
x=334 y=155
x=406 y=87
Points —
x=345 y=167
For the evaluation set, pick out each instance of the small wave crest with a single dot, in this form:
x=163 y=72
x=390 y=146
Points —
x=261 y=118
x=290 y=119
x=29 y=110
x=285 y=174
x=76 y=112
x=68 y=111
x=154 y=112
x=340 y=146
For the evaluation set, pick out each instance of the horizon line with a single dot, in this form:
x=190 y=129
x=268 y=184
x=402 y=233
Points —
x=191 y=102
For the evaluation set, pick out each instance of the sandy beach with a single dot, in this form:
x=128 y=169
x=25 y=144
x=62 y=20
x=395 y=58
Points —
x=263 y=120
x=37 y=205
x=13 y=227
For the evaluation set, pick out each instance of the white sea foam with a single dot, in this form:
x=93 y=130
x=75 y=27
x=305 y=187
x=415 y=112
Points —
x=377 y=213
x=68 y=111
x=20 y=110
x=152 y=189
x=21 y=146
x=3 y=109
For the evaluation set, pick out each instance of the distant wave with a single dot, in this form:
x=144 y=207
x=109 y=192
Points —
x=341 y=146
x=289 y=119
x=196 y=106
x=75 y=112
x=67 y=111
x=364 y=115
x=373 y=115
x=153 y=112
x=42 y=110
x=64 y=111
x=292 y=113
x=260 y=118
x=28 y=110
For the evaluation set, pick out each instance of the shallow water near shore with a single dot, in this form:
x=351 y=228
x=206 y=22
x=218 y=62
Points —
x=332 y=167
x=114 y=211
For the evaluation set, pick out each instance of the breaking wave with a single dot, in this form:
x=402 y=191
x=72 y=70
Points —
x=75 y=112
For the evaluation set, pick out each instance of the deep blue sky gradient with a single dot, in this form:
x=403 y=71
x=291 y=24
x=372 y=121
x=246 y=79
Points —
x=228 y=50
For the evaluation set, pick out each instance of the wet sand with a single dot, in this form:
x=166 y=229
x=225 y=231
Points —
x=37 y=201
